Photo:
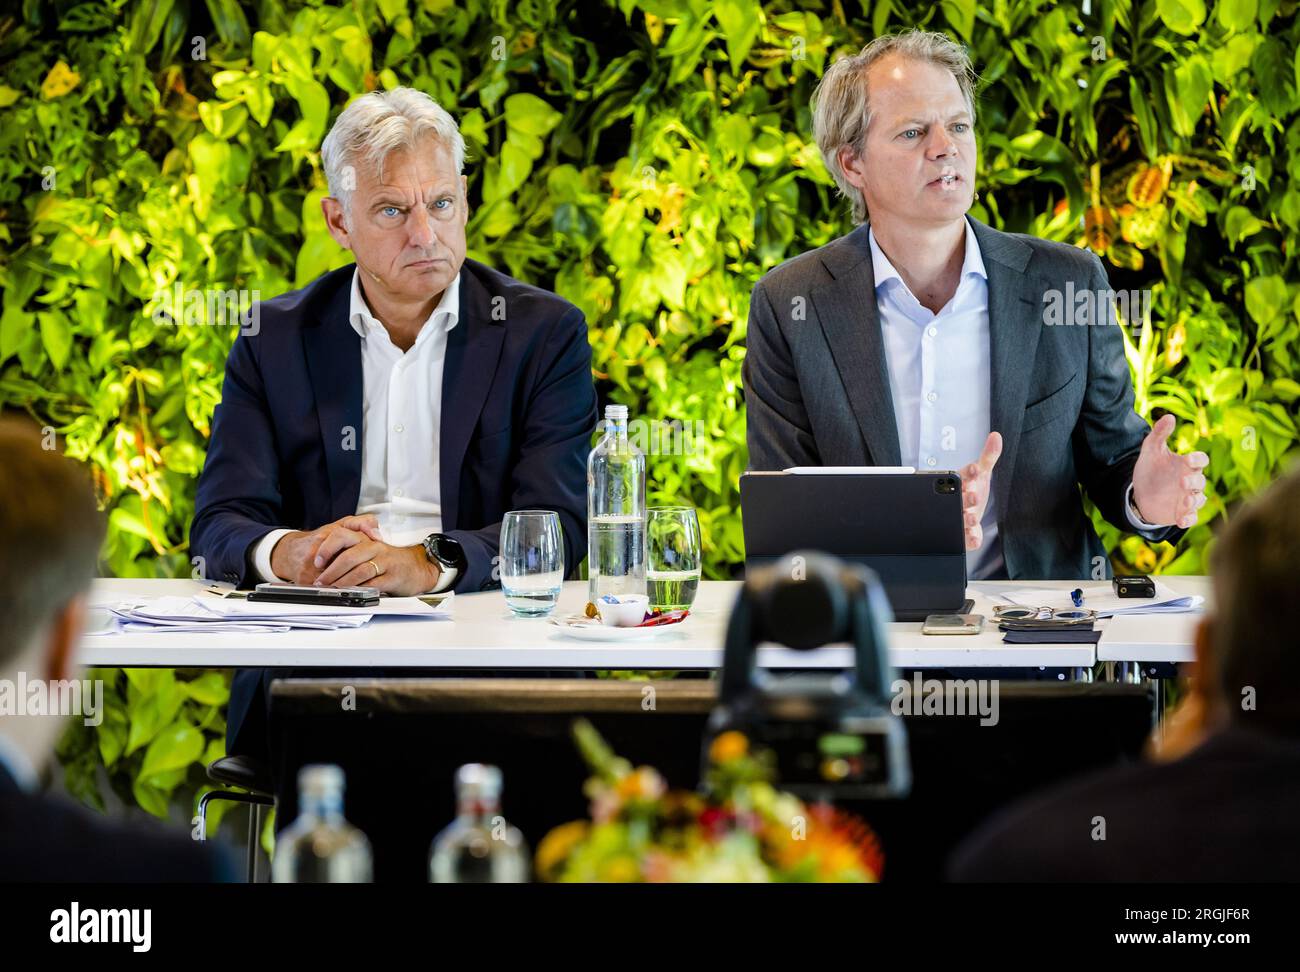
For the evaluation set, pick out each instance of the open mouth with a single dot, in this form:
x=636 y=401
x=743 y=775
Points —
x=949 y=180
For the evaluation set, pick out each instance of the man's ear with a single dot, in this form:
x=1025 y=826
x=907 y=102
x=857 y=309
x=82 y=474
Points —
x=464 y=197
x=852 y=165
x=61 y=640
x=336 y=221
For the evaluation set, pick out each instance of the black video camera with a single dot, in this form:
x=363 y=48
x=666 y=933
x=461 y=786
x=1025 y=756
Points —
x=834 y=734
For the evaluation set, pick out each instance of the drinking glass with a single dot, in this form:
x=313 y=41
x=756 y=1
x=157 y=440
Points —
x=532 y=561
x=673 y=557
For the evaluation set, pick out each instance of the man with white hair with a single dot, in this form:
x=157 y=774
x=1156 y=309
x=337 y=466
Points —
x=925 y=338
x=383 y=419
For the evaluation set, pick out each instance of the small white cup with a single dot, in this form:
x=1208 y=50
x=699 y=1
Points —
x=627 y=613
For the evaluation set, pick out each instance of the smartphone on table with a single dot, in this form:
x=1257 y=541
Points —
x=309 y=594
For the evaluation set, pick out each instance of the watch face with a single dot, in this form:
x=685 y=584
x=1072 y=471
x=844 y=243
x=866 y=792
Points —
x=445 y=550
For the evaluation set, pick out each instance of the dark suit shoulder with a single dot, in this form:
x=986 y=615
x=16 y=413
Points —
x=49 y=839
x=1049 y=258
x=523 y=304
x=809 y=269
x=300 y=305
x=1225 y=811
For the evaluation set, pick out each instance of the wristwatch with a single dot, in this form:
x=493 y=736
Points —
x=444 y=551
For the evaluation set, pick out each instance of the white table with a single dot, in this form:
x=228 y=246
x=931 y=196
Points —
x=484 y=634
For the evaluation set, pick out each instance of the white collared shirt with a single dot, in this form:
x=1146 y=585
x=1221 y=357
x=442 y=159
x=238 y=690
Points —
x=940 y=379
x=940 y=375
x=401 y=421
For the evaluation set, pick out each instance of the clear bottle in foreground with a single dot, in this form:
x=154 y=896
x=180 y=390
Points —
x=320 y=846
x=479 y=846
x=615 y=512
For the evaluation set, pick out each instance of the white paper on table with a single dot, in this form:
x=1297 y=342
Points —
x=1103 y=599
x=120 y=626
x=186 y=614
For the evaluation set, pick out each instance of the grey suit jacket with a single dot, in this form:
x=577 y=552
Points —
x=817 y=390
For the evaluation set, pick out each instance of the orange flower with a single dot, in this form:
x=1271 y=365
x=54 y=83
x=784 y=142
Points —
x=728 y=746
x=643 y=783
x=556 y=847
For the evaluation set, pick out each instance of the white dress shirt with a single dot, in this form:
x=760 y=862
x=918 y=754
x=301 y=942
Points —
x=940 y=380
x=400 y=428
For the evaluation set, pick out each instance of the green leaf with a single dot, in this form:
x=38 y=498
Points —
x=1145 y=119
x=740 y=21
x=56 y=336
x=150 y=798
x=1237 y=15
x=1190 y=87
x=1040 y=147
x=230 y=22
x=15 y=325
x=314 y=102
x=1273 y=66
x=1265 y=298
x=211 y=158
x=174 y=748
x=1182 y=16
x=1239 y=223
x=209 y=688
x=961 y=15
x=531 y=115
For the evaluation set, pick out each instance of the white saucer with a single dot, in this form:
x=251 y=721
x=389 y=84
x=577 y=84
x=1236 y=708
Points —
x=600 y=632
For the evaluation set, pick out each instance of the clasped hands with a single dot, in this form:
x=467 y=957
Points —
x=1168 y=488
x=350 y=553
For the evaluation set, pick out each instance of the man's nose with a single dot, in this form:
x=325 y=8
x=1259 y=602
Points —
x=941 y=143
x=420 y=232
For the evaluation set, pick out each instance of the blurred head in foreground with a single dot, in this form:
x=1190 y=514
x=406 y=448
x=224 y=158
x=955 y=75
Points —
x=1247 y=650
x=52 y=530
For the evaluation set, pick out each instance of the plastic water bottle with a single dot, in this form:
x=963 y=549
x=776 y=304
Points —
x=320 y=847
x=615 y=512
x=478 y=847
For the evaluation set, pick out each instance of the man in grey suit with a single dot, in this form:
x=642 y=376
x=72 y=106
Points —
x=926 y=338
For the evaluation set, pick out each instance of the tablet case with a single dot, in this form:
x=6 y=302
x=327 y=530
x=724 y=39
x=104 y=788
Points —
x=906 y=527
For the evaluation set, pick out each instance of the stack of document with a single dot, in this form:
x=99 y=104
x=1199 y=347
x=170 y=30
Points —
x=1105 y=602
x=210 y=613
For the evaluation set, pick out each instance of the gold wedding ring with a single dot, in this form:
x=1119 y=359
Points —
x=376 y=566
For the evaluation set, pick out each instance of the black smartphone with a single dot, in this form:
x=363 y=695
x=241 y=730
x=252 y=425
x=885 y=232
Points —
x=1136 y=585
x=307 y=594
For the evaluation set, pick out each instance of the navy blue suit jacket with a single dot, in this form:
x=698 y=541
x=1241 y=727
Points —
x=47 y=839
x=518 y=412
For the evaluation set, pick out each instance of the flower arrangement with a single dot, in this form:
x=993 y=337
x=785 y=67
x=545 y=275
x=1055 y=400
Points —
x=742 y=829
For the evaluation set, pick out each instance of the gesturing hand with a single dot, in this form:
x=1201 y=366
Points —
x=976 y=480
x=294 y=554
x=1168 y=489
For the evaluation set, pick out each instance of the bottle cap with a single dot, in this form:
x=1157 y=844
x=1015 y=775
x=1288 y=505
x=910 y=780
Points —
x=478 y=781
x=320 y=780
x=616 y=413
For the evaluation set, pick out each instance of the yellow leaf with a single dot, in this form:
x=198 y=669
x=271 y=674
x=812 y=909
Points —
x=59 y=81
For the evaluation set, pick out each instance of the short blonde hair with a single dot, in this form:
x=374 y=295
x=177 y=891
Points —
x=841 y=107
x=378 y=124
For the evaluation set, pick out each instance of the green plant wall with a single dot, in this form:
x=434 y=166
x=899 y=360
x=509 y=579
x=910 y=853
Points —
x=647 y=160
